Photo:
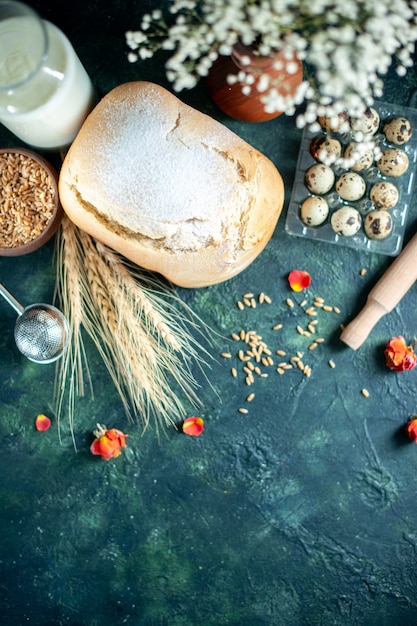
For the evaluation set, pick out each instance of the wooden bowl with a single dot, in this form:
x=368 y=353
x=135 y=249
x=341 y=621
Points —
x=30 y=210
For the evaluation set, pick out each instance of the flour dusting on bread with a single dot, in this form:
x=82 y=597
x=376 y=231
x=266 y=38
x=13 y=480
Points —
x=163 y=176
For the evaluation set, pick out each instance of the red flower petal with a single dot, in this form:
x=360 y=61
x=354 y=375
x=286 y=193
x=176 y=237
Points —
x=42 y=422
x=193 y=426
x=109 y=444
x=299 y=280
x=411 y=429
x=398 y=356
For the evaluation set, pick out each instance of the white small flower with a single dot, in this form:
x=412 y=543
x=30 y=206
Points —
x=145 y=53
x=263 y=83
x=348 y=46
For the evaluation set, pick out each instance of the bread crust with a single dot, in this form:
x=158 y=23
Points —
x=207 y=230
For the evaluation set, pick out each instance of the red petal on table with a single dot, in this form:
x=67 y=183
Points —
x=411 y=429
x=398 y=356
x=193 y=426
x=299 y=280
x=42 y=422
x=110 y=444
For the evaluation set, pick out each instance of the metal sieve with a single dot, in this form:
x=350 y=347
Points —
x=41 y=331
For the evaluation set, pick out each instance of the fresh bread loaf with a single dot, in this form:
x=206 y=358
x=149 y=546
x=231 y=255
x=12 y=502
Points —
x=170 y=188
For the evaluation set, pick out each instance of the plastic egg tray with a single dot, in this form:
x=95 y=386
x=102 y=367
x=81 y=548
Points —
x=392 y=244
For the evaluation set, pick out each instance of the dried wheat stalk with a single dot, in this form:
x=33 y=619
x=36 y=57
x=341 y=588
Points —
x=136 y=324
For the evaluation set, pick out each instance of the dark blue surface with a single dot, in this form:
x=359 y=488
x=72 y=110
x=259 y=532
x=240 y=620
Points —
x=302 y=512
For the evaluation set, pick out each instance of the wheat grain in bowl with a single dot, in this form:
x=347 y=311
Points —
x=30 y=211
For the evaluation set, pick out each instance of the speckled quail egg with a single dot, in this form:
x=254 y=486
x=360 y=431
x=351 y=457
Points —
x=319 y=178
x=367 y=124
x=346 y=221
x=398 y=130
x=393 y=162
x=314 y=211
x=378 y=224
x=361 y=158
x=350 y=186
x=384 y=195
x=325 y=149
x=334 y=123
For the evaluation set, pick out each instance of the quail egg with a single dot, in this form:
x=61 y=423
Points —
x=384 y=195
x=378 y=224
x=325 y=149
x=346 y=221
x=314 y=211
x=319 y=178
x=367 y=124
x=362 y=158
x=393 y=162
x=350 y=186
x=398 y=130
x=334 y=123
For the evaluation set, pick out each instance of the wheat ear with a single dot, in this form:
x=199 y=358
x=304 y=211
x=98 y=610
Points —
x=69 y=290
x=135 y=322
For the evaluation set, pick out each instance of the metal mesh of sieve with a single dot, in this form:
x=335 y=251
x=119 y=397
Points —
x=41 y=333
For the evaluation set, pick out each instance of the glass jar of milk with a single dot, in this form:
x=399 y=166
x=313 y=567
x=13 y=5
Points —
x=45 y=92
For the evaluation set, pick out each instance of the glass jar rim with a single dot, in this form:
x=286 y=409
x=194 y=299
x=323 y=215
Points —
x=13 y=8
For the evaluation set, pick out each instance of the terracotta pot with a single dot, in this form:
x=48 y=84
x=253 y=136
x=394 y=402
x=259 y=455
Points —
x=230 y=99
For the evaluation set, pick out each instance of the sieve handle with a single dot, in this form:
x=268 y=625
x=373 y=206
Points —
x=11 y=299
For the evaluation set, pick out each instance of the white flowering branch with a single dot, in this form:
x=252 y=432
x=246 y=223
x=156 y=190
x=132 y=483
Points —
x=346 y=46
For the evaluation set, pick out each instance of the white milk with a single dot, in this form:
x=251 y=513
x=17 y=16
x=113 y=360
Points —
x=47 y=110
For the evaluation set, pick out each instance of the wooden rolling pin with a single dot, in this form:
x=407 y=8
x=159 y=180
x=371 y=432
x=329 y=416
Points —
x=386 y=294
